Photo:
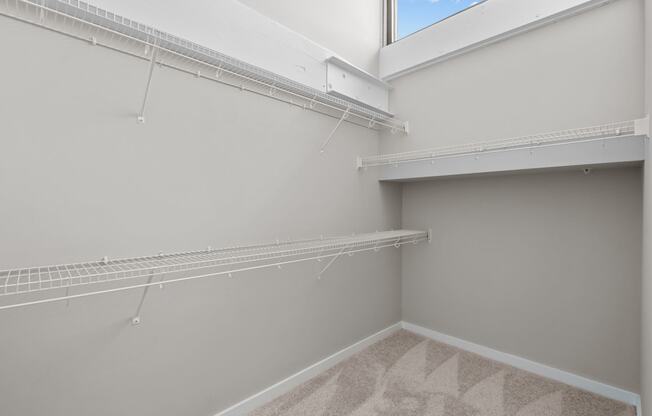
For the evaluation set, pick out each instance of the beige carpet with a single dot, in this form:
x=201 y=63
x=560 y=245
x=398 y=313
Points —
x=408 y=375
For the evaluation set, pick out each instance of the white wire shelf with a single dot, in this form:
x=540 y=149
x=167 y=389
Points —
x=92 y=24
x=105 y=276
x=585 y=134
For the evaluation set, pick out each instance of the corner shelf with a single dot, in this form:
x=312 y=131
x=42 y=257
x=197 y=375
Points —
x=54 y=283
x=614 y=143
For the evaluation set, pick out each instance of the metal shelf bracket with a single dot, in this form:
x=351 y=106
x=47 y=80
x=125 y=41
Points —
x=331 y=262
x=152 y=64
x=136 y=319
x=345 y=115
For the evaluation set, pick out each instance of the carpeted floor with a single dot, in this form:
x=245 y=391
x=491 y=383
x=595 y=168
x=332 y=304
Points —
x=408 y=375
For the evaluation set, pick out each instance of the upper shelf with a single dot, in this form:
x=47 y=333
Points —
x=105 y=276
x=618 y=142
x=101 y=27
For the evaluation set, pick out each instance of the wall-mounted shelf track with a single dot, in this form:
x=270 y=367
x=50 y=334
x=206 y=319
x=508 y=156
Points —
x=619 y=142
x=101 y=27
x=35 y=285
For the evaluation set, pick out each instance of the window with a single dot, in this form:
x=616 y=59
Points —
x=405 y=17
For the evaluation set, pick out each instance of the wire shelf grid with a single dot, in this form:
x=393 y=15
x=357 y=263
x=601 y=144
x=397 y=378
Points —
x=189 y=265
x=623 y=128
x=101 y=27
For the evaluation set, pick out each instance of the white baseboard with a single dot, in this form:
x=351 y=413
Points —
x=283 y=386
x=574 y=380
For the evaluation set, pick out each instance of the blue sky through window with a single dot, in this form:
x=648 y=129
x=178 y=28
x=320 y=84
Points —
x=414 y=15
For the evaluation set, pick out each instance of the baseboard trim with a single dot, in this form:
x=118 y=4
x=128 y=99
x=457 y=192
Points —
x=249 y=404
x=543 y=370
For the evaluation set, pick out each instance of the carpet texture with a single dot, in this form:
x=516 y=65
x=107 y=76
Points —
x=409 y=375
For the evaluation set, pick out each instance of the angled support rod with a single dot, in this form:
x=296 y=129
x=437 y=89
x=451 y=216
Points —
x=331 y=262
x=345 y=115
x=152 y=64
x=136 y=319
x=67 y=296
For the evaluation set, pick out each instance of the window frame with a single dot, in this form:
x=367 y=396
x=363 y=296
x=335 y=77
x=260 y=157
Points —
x=476 y=27
x=391 y=21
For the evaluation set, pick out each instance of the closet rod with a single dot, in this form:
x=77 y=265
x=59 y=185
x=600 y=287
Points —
x=133 y=273
x=637 y=127
x=83 y=21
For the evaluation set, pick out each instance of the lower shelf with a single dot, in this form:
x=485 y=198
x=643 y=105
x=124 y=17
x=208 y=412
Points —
x=19 y=287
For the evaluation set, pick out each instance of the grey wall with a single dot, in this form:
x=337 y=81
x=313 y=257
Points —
x=350 y=28
x=80 y=179
x=646 y=325
x=479 y=281
x=581 y=71
x=545 y=266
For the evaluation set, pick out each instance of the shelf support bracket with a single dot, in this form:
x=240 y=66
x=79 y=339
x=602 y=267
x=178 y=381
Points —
x=67 y=296
x=136 y=319
x=345 y=115
x=152 y=64
x=331 y=262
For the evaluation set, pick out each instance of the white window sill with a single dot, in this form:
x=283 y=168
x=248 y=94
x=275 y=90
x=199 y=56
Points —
x=476 y=27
